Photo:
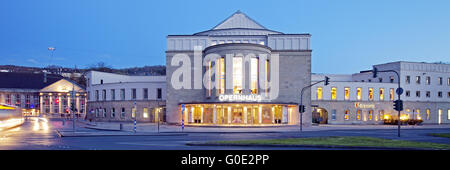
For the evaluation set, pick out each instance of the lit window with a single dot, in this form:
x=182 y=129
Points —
x=428 y=80
x=381 y=93
x=381 y=114
x=358 y=115
x=237 y=75
x=391 y=94
x=319 y=93
x=448 y=114
x=370 y=114
x=221 y=71
x=333 y=93
x=358 y=93
x=346 y=114
x=428 y=114
x=417 y=79
x=133 y=112
x=347 y=93
x=145 y=114
x=408 y=80
x=213 y=43
x=261 y=42
x=418 y=114
x=254 y=76
x=440 y=80
x=370 y=93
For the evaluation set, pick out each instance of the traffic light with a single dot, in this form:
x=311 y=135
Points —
x=327 y=81
x=57 y=101
x=301 y=108
x=375 y=72
x=398 y=105
x=72 y=107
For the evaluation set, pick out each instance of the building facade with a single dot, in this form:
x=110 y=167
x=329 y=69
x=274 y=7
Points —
x=237 y=73
x=115 y=97
x=361 y=99
x=37 y=94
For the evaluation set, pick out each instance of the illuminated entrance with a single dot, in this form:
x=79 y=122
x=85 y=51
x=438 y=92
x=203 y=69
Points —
x=238 y=114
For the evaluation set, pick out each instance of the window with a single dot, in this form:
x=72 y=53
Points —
x=122 y=113
x=370 y=93
x=440 y=80
x=347 y=93
x=113 y=112
x=145 y=114
x=428 y=94
x=333 y=93
x=417 y=93
x=122 y=94
x=319 y=93
x=408 y=80
x=159 y=93
x=145 y=91
x=101 y=81
x=254 y=75
x=358 y=93
x=370 y=114
x=113 y=94
x=428 y=114
x=448 y=81
x=448 y=95
x=133 y=112
x=381 y=115
x=333 y=114
x=391 y=78
x=448 y=114
x=418 y=114
x=417 y=79
x=380 y=79
x=358 y=115
x=370 y=80
x=266 y=76
x=89 y=95
x=96 y=112
x=104 y=95
x=440 y=94
x=133 y=93
x=104 y=112
x=96 y=95
x=391 y=94
x=381 y=93
x=208 y=69
x=346 y=114
x=407 y=93
x=221 y=72
x=428 y=80
x=261 y=42
x=237 y=75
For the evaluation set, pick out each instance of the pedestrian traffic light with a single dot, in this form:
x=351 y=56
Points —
x=301 y=108
x=375 y=72
x=398 y=105
x=72 y=107
x=327 y=81
x=57 y=101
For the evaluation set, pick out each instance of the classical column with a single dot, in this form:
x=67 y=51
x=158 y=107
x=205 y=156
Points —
x=68 y=102
x=229 y=114
x=273 y=114
x=41 y=105
x=201 y=115
x=60 y=103
x=77 y=105
x=285 y=115
x=245 y=115
x=50 y=103
x=214 y=115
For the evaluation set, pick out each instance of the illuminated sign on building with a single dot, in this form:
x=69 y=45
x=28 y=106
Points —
x=251 y=97
x=364 y=106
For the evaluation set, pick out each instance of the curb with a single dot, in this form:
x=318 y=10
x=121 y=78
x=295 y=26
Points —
x=95 y=128
x=308 y=146
x=129 y=134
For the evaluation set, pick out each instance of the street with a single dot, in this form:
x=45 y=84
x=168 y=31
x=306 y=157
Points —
x=37 y=134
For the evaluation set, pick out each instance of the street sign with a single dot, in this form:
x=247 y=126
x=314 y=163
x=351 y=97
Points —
x=399 y=91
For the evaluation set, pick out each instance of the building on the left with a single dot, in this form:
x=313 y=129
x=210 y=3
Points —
x=39 y=94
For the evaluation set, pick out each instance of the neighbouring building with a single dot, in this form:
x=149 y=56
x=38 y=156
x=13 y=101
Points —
x=256 y=75
x=39 y=94
x=116 y=97
x=361 y=99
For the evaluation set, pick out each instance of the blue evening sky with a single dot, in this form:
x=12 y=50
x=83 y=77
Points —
x=347 y=35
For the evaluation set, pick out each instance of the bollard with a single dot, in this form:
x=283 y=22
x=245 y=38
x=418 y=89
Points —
x=121 y=126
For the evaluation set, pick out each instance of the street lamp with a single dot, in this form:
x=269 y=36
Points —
x=301 y=107
x=398 y=104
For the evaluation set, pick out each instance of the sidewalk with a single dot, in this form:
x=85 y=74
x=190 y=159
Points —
x=163 y=128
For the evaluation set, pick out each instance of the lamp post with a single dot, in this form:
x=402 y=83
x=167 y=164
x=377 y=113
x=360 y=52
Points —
x=301 y=107
x=398 y=103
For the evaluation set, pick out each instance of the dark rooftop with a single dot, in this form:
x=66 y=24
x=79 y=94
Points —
x=26 y=80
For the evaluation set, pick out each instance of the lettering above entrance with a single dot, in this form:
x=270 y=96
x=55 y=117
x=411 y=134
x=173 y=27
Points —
x=364 y=106
x=252 y=97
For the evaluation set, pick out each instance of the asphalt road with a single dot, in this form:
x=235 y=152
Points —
x=41 y=135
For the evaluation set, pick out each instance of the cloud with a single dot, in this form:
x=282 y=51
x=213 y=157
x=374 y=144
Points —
x=33 y=61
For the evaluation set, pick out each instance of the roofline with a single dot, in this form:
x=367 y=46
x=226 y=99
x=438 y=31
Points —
x=238 y=12
x=255 y=29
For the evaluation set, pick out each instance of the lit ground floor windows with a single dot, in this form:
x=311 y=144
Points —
x=237 y=114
